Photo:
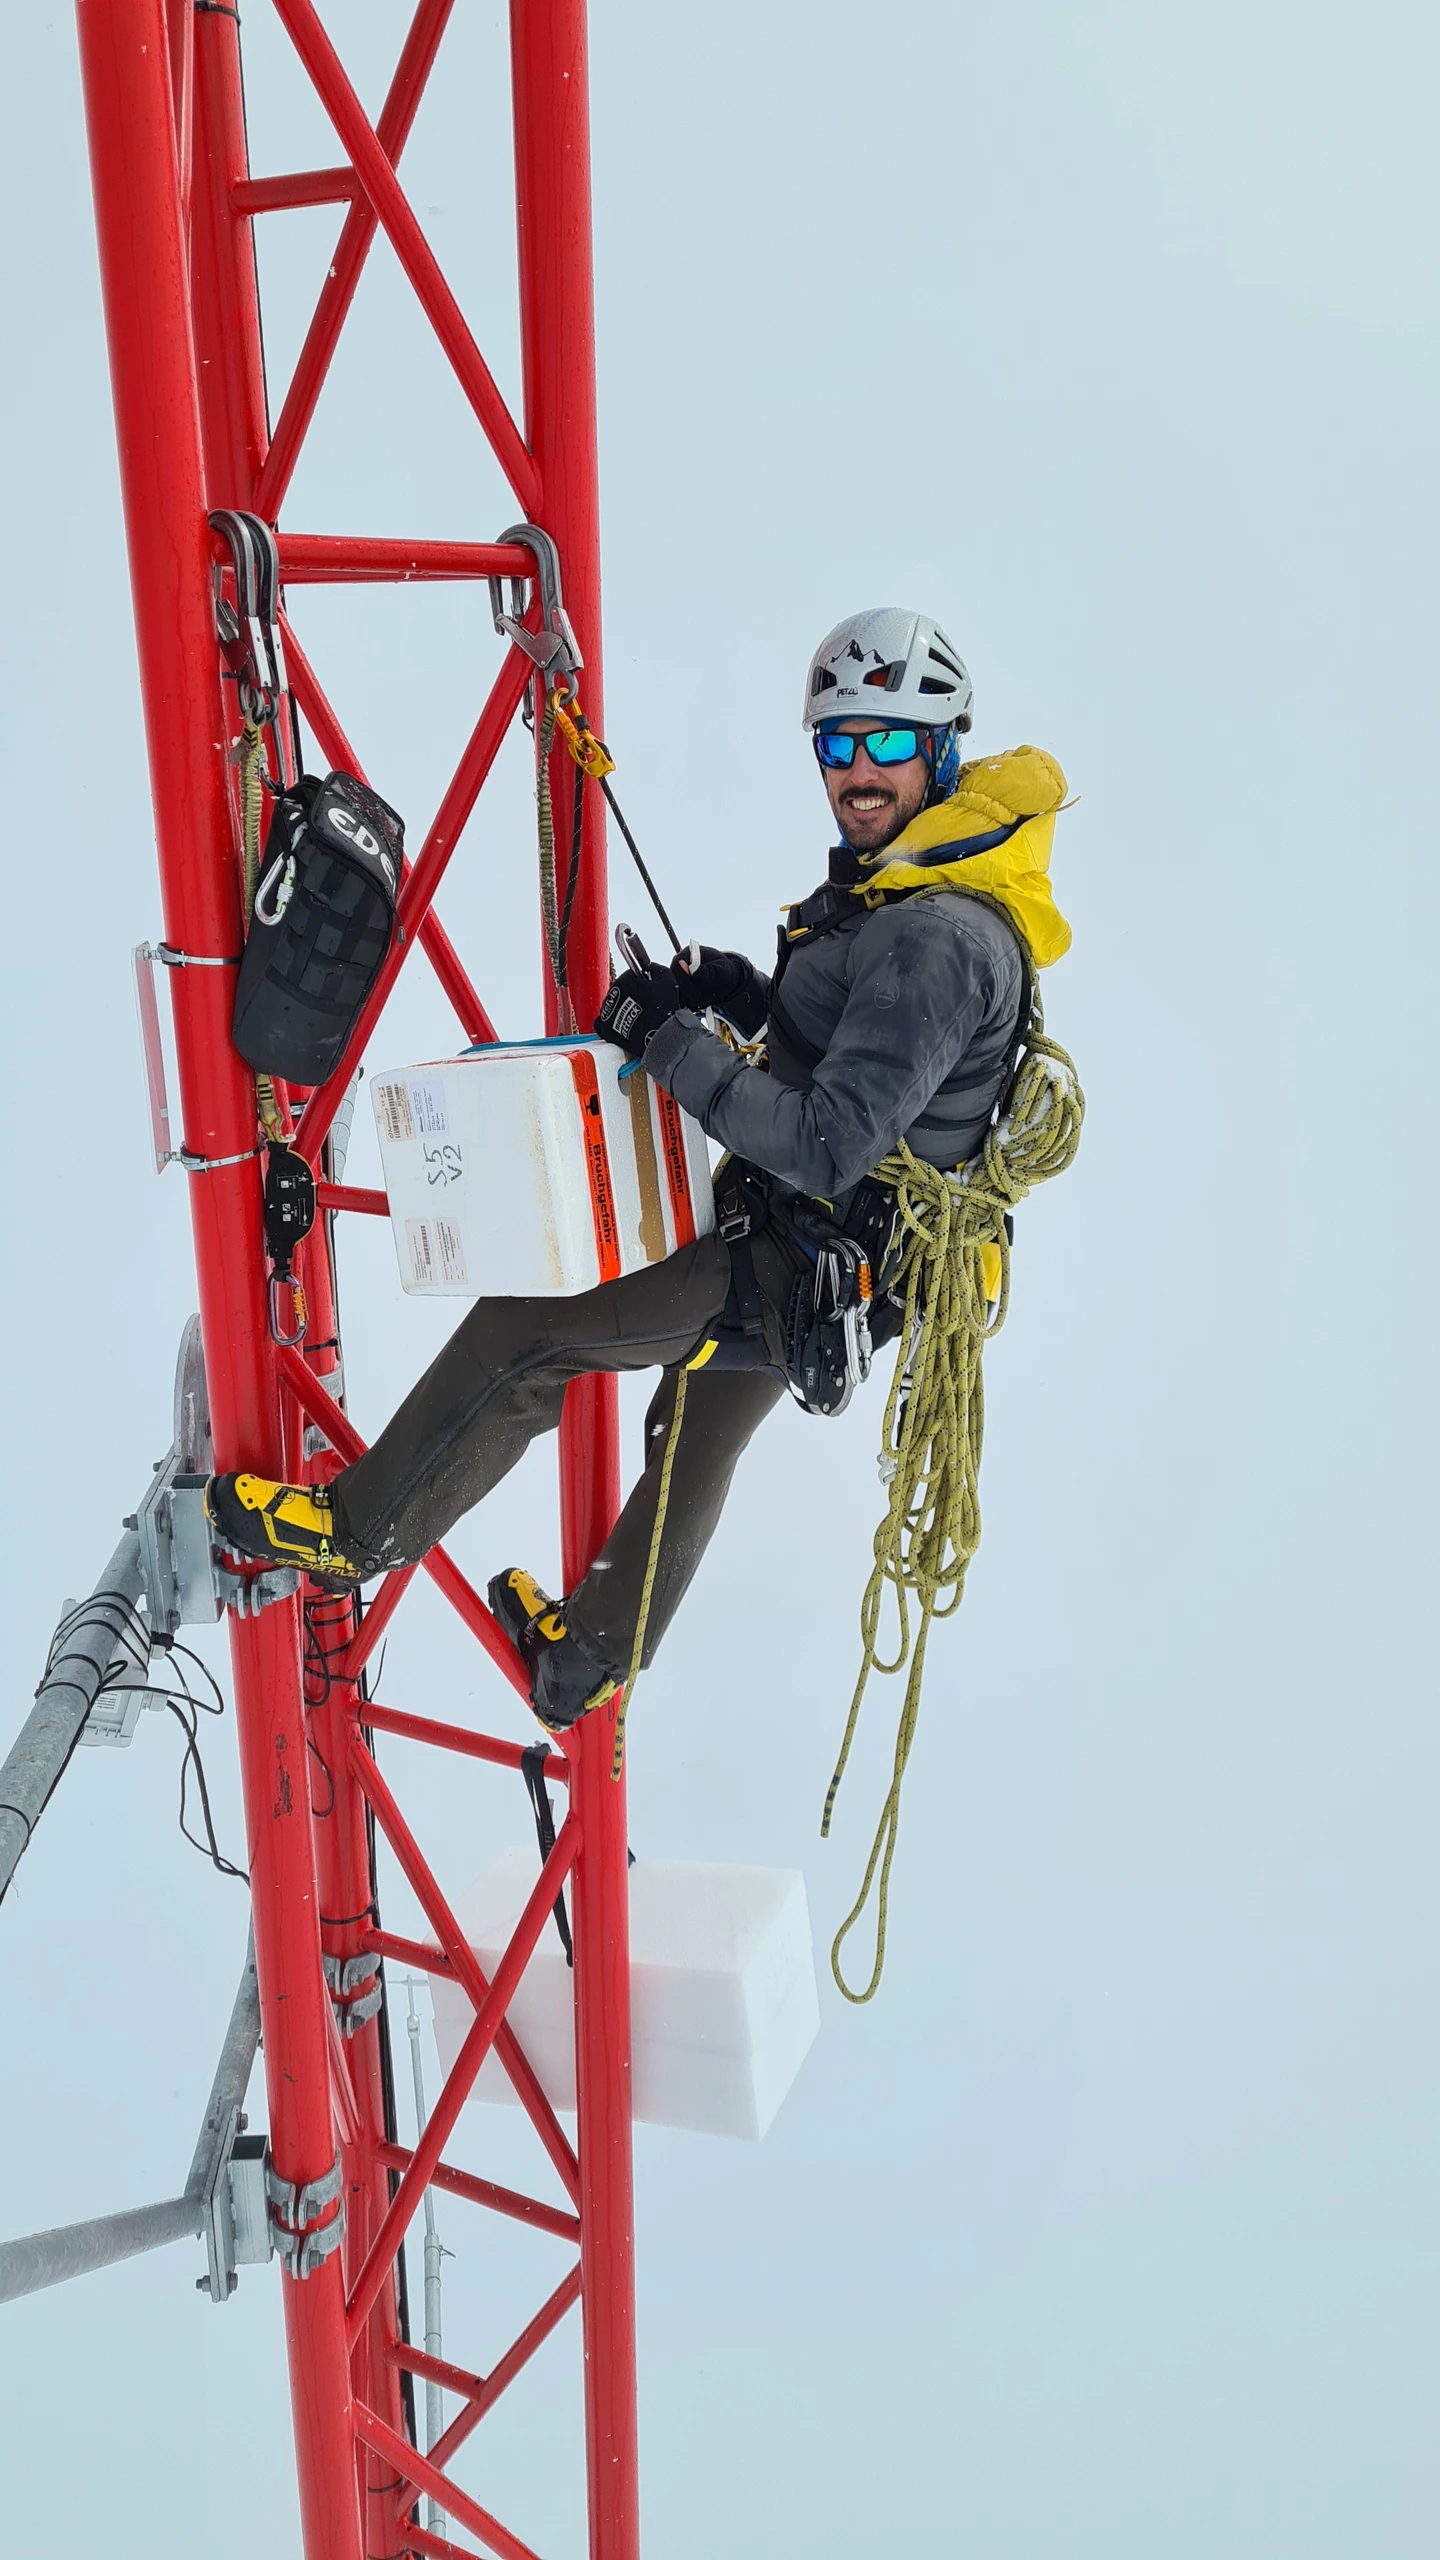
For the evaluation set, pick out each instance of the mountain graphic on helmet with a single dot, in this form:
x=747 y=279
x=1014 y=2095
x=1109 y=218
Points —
x=905 y=657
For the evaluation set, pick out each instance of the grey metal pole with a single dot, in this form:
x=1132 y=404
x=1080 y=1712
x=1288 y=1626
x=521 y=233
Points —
x=37 y=1757
x=232 y=2078
x=78 y=2248
x=434 y=2402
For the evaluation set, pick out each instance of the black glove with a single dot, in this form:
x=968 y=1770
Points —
x=727 y=982
x=637 y=1003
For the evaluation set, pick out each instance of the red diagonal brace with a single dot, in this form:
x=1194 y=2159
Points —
x=423 y=2475
x=410 y=245
x=461 y=1956
x=484 y=2192
x=317 y=1406
x=513 y=2361
x=435 y=942
x=485 y=2032
x=458 y=1738
x=351 y=251
x=501 y=705
x=376 y=1619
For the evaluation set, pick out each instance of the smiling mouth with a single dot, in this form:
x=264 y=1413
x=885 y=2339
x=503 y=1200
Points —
x=864 y=804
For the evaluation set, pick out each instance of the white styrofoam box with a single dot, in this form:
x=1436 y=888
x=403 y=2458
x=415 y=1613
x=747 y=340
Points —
x=722 y=1988
x=531 y=1170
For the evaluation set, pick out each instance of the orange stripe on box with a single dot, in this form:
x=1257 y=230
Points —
x=597 y=1164
x=677 y=1171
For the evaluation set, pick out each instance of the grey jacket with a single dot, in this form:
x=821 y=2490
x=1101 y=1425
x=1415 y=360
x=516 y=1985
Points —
x=901 y=1020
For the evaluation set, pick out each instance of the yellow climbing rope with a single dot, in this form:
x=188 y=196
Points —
x=662 y=1505
x=249 y=756
x=545 y=812
x=955 y=1274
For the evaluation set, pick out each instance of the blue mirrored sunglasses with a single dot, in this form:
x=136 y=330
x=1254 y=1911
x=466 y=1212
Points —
x=836 y=747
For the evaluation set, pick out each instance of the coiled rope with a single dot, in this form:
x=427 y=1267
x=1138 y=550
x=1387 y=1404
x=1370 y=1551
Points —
x=952 y=1225
x=249 y=756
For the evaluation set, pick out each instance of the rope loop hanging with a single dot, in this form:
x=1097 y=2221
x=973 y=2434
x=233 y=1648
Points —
x=954 y=1273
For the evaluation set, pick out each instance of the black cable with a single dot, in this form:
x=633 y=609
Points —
x=639 y=861
x=316 y=1662
x=209 y=1847
x=321 y=1812
x=131 y=1623
x=532 y=1770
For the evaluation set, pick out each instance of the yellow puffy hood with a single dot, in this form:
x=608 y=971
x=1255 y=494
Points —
x=1008 y=802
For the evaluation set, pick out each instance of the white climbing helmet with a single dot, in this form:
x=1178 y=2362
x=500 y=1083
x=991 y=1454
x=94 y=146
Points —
x=895 y=663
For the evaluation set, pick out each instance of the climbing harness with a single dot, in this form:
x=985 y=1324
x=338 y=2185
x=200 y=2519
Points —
x=953 y=1279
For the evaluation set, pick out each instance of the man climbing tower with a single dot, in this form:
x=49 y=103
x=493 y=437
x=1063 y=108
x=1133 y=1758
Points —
x=894 y=1013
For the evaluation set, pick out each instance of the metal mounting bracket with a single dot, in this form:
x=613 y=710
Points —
x=302 y=2242
x=344 y=1975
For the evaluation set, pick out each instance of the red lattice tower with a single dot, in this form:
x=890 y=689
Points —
x=175 y=200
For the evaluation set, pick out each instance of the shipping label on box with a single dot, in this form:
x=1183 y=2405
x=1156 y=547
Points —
x=536 y=1170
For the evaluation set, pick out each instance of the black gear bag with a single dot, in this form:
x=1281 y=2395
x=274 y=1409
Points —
x=322 y=923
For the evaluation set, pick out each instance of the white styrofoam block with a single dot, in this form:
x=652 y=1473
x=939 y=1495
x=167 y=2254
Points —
x=535 y=1169
x=722 y=1987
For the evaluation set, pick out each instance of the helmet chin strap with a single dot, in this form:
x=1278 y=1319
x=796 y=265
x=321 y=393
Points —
x=942 y=754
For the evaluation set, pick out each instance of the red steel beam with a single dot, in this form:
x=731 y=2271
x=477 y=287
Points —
x=392 y=208
x=489 y=2019
x=338 y=560
x=458 y=1737
x=463 y=1962
x=501 y=705
x=514 y=2361
x=225 y=311
x=423 y=2475
x=321 y=1408
x=421 y=1957
x=145 y=276
x=376 y=1619
x=293 y=188
x=435 y=942
x=403 y=97
x=483 y=2191
x=340 y=1195
x=550 y=83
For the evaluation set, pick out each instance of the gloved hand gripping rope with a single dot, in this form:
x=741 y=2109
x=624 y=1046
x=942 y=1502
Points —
x=935 y=1413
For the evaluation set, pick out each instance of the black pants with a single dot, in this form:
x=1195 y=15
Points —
x=501 y=1380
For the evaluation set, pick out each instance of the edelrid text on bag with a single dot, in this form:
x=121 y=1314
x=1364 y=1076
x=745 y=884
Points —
x=321 y=925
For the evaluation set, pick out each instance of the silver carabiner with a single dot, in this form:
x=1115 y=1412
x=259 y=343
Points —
x=554 y=647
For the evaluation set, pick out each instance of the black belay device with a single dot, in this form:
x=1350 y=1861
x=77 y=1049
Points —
x=322 y=923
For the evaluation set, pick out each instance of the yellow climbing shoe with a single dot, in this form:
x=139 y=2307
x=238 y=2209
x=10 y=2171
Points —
x=278 y=1524
x=566 y=1679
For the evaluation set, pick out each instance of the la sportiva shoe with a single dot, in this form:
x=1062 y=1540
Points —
x=279 y=1524
x=566 y=1678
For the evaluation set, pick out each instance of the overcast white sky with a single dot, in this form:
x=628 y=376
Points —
x=1106 y=334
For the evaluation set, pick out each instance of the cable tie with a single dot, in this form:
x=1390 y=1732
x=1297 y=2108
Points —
x=191 y=1163
x=171 y=957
